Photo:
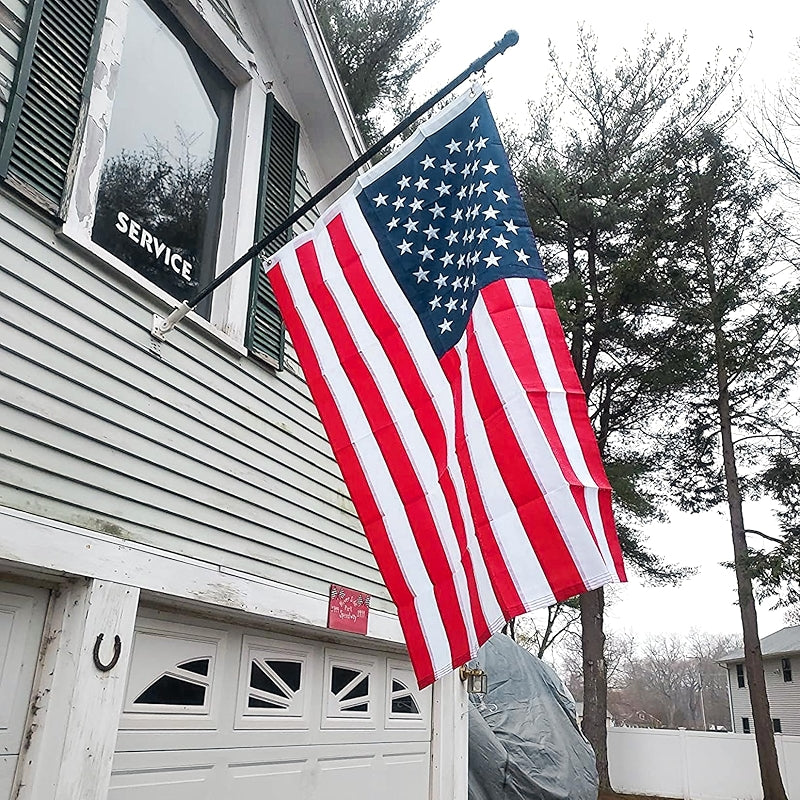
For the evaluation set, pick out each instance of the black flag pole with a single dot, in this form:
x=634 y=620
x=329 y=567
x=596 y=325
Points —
x=163 y=325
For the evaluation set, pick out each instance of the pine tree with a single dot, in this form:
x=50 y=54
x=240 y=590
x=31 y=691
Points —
x=595 y=171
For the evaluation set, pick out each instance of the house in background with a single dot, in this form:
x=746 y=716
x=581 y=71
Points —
x=171 y=515
x=781 y=651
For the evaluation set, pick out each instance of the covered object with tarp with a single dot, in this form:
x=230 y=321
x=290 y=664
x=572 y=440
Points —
x=524 y=740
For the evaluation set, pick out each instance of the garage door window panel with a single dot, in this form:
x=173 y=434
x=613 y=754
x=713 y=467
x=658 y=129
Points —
x=275 y=676
x=350 y=687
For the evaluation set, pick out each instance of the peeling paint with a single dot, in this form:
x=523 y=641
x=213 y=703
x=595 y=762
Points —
x=220 y=594
x=95 y=139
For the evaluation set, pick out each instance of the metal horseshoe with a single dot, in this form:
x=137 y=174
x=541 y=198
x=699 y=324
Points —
x=96 y=653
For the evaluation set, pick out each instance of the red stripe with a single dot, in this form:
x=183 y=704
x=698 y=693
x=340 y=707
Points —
x=415 y=391
x=576 y=401
x=359 y=488
x=392 y=447
x=504 y=587
x=534 y=513
x=512 y=333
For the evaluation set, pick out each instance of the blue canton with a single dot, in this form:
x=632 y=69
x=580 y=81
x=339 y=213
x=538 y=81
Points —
x=449 y=220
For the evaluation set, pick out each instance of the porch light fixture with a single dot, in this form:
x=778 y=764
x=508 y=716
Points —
x=475 y=679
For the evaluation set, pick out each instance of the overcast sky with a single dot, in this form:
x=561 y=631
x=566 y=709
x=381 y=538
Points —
x=465 y=30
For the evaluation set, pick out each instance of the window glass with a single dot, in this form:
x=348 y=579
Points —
x=158 y=204
x=786 y=668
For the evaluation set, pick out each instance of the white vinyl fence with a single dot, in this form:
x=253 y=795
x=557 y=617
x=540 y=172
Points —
x=695 y=765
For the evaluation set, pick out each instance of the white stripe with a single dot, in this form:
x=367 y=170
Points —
x=414 y=442
x=512 y=541
x=374 y=467
x=433 y=379
x=536 y=449
x=522 y=293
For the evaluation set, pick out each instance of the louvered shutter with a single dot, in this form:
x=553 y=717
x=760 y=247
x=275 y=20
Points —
x=276 y=201
x=52 y=85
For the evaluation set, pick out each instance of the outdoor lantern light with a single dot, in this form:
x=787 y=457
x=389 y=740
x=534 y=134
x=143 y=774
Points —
x=475 y=679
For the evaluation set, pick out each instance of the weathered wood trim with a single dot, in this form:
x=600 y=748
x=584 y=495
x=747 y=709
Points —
x=450 y=723
x=75 y=707
x=30 y=540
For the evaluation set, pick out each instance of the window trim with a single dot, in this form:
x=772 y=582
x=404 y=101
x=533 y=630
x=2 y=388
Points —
x=229 y=304
x=745 y=724
x=740 y=676
x=786 y=669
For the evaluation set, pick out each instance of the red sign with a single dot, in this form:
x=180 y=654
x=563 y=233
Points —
x=348 y=610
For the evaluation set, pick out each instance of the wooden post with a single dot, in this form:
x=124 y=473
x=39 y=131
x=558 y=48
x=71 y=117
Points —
x=75 y=706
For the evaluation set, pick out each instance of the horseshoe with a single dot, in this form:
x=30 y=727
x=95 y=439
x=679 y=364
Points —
x=96 y=653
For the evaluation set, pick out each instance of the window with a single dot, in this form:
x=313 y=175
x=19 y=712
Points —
x=776 y=725
x=745 y=724
x=402 y=699
x=274 y=685
x=350 y=687
x=786 y=669
x=179 y=688
x=161 y=187
x=740 y=675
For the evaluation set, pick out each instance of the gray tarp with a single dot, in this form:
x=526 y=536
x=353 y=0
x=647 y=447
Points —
x=524 y=741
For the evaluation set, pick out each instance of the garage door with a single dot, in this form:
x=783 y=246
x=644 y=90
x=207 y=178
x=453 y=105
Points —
x=222 y=712
x=22 y=611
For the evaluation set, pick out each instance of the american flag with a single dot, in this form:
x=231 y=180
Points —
x=425 y=326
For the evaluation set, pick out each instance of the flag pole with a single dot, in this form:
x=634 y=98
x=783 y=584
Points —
x=163 y=325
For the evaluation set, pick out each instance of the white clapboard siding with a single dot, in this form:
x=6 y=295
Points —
x=784 y=696
x=201 y=451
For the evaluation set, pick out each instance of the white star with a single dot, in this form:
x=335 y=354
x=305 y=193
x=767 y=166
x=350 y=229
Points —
x=411 y=225
x=427 y=162
x=502 y=197
x=475 y=165
x=443 y=188
x=461 y=259
x=457 y=283
x=393 y=223
x=481 y=143
x=451 y=237
x=431 y=232
x=461 y=193
x=421 y=184
x=426 y=253
x=436 y=302
x=451 y=304
x=381 y=199
x=465 y=172
x=399 y=203
x=522 y=256
x=445 y=326
x=476 y=210
x=420 y=275
x=481 y=187
x=492 y=260
x=510 y=226
x=437 y=210
x=404 y=182
x=441 y=281
x=501 y=241
x=416 y=205
x=474 y=123
x=464 y=306
x=404 y=247
x=474 y=280
x=458 y=215
x=490 y=167
x=449 y=168
x=490 y=212
x=447 y=259
x=470 y=146
x=453 y=146
x=482 y=234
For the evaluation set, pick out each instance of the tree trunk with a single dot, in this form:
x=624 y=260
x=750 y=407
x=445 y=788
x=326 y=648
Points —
x=595 y=686
x=771 y=781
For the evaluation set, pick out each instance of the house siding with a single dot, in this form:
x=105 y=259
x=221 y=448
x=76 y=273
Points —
x=198 y=451
x=784 y=697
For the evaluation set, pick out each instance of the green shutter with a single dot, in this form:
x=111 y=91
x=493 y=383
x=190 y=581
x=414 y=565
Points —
x=51 y=89
x=275 y=203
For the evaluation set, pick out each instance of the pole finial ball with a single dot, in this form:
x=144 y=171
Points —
x=509 y=40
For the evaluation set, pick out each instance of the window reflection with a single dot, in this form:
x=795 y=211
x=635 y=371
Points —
x=158 y=204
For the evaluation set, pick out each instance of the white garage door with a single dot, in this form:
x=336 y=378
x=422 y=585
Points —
x=22 y=611
x=224 y=712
